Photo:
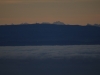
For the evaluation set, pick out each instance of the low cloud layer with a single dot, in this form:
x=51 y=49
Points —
x=50 y=60
x=44 y=52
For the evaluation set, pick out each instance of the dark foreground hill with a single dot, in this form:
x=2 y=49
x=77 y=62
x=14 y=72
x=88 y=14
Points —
x=48 y=34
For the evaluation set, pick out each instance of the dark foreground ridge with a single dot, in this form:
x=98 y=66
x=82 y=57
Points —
x=48 y=34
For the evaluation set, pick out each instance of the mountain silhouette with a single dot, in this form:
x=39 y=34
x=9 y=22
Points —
x=58 y=23
x=48 y=34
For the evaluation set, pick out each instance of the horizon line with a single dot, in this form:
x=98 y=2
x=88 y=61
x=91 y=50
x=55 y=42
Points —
x=59 y=23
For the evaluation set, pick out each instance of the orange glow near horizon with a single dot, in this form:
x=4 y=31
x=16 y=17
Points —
x=69 y=12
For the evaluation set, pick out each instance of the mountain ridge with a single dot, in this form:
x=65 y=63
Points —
x=48 y=34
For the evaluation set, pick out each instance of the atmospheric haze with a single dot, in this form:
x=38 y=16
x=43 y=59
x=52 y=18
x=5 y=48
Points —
x=67 y=11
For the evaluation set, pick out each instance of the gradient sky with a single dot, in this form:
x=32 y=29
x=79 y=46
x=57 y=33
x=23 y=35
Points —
x=67 y=11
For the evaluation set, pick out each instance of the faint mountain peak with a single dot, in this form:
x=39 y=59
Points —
x=58 y=23
x=98 y=25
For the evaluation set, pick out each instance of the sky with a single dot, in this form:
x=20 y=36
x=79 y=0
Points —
x=67 y=11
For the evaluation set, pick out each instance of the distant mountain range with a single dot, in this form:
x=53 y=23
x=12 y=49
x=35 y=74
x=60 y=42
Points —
x=56 y=23
x=48 y=34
